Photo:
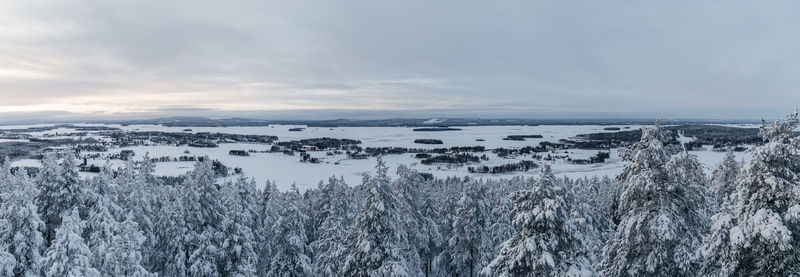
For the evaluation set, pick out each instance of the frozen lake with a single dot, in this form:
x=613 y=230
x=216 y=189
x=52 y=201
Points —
x=285 y=169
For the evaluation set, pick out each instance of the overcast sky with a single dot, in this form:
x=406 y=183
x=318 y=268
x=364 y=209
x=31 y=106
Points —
x=711 y=59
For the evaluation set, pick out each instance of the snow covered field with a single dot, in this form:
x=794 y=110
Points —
x=286 y=170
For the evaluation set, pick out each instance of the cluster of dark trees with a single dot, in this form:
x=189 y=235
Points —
x=200 y=139
x=452 y=159
x=600 y=157
x=322 y=144
x=511 y=167
x=522 y=137
x=428 y=141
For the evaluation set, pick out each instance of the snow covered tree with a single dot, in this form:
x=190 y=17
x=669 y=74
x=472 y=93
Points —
x=291 y=257
x=6 y=177
x=501 y=228
x=172 y=248
x=203 y=213
x=140 y=201
x=662 y=211
x=591 y=204
x=68 y=255
x=238 y=243
x=270 y=206
x=761 y=237
x=468 y=245
x=723 y=180
x=25 y=239
x=59 y=191
x=376 y=245
x=329 y=248
x=202 y=198
x=203 y=259
x=124 y=256
x=7 y=261
x=423 y=234
x=546 y=242
x=101 y=227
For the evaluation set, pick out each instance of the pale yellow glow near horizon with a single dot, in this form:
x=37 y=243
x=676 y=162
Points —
x=138 y=103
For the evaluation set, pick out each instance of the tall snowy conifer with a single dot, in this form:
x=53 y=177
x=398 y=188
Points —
x=546 y=242
x=329 y=248
x=423 y=233
x=238 y=243
x=662 y=212
x=68 y=255
x=59 y=191
x=761 y=237
x=25 y=239
x=378 y=241
x=723 y=181
x=469 y=245
x=124 y=256
x=291 y=256
x=7 y=261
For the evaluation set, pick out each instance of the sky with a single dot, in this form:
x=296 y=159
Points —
x=118 y=59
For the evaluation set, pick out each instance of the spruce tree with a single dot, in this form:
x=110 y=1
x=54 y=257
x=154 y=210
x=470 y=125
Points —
x=662 y=212
x=467 y=247
x=238 y=243
x=761 y=236
x=25 y=241
x=68 y=255
x=124 y=256
x=291 y=256
x=723 y=181
x=59 y=191
x=546 y=242
x=7 y=260
x=376 y=245
x=329 y=248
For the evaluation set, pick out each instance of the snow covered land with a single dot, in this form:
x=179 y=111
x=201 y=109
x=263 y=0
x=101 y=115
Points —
x=286 y=170
x=684 y=214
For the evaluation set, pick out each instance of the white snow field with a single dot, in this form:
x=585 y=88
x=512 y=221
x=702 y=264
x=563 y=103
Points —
x=286 y=170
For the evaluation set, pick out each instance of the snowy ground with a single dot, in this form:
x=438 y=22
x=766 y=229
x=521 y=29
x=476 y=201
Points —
x=286 y=170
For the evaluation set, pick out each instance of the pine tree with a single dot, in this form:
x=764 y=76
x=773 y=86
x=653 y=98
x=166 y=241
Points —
x=203 y=209
x=468 y=246
x=238 y=243
x=59 y=191
x=423 y=234
x=376 y=245
x=546 y=242
x=329 y=248
x=25 y=239
x=501 y=228
x=124 y=256
x=140 y=203
x=69 y=255
x=723 y=180
x=270 y=205
x=172 y=246
x=7 y=260
x=291 y=257
x=662 y=212
x=761 y=237
x=101 y=227
x=203 y=259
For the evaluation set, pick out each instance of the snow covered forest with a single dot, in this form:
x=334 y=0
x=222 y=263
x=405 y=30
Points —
x=663 y=216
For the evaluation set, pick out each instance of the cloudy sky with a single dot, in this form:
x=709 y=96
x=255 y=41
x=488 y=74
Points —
x=712 y=59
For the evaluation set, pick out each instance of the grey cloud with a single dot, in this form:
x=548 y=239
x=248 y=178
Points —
x=676 y=58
